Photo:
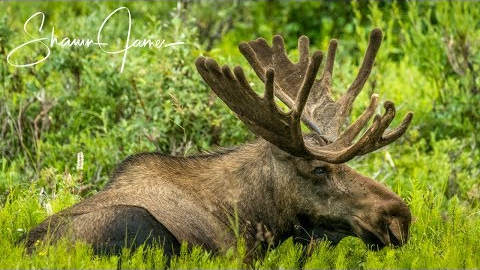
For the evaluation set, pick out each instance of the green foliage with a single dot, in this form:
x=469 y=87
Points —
x=78 y=101
x=446 y=40
x=286 y=256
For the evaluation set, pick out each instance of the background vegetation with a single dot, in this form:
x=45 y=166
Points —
x=78 y=101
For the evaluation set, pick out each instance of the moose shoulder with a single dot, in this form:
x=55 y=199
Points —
x=278 y=186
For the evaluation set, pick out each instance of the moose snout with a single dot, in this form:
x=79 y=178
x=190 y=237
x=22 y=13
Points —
x=397 y=220
x=398 y=228
x=386 y=223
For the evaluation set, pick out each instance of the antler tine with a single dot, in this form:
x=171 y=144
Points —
x=332 y=50
x=386 y=120
x=248 y=52
x=310 y=75
x=364 y=71
x=303 y=48
x=270 y=89
x=326 y=81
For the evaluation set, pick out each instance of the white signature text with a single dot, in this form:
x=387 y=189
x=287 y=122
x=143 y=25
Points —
x=53 y=40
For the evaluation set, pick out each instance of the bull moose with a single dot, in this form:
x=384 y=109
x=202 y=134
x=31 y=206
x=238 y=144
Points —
x=283 y=183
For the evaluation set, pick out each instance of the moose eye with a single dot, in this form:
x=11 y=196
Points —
x=320 y=171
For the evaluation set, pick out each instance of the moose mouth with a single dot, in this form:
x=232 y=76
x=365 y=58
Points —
x=306 y=235
x=309 y=230
x=375 y=237
x=378 y=237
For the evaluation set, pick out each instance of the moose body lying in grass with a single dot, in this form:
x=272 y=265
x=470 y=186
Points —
x=281 y=185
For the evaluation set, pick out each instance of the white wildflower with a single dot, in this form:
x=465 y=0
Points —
x=80 y=161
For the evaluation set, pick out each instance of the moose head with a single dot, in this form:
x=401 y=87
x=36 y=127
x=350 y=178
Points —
x=323 y=194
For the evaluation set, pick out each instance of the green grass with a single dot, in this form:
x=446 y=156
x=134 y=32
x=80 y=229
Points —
x=428 y=63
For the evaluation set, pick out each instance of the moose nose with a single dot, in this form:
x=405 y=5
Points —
x=398 y=221
x=397 y=229
x=386 y=223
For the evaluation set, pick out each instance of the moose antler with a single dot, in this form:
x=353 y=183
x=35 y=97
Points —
x=293 y=84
